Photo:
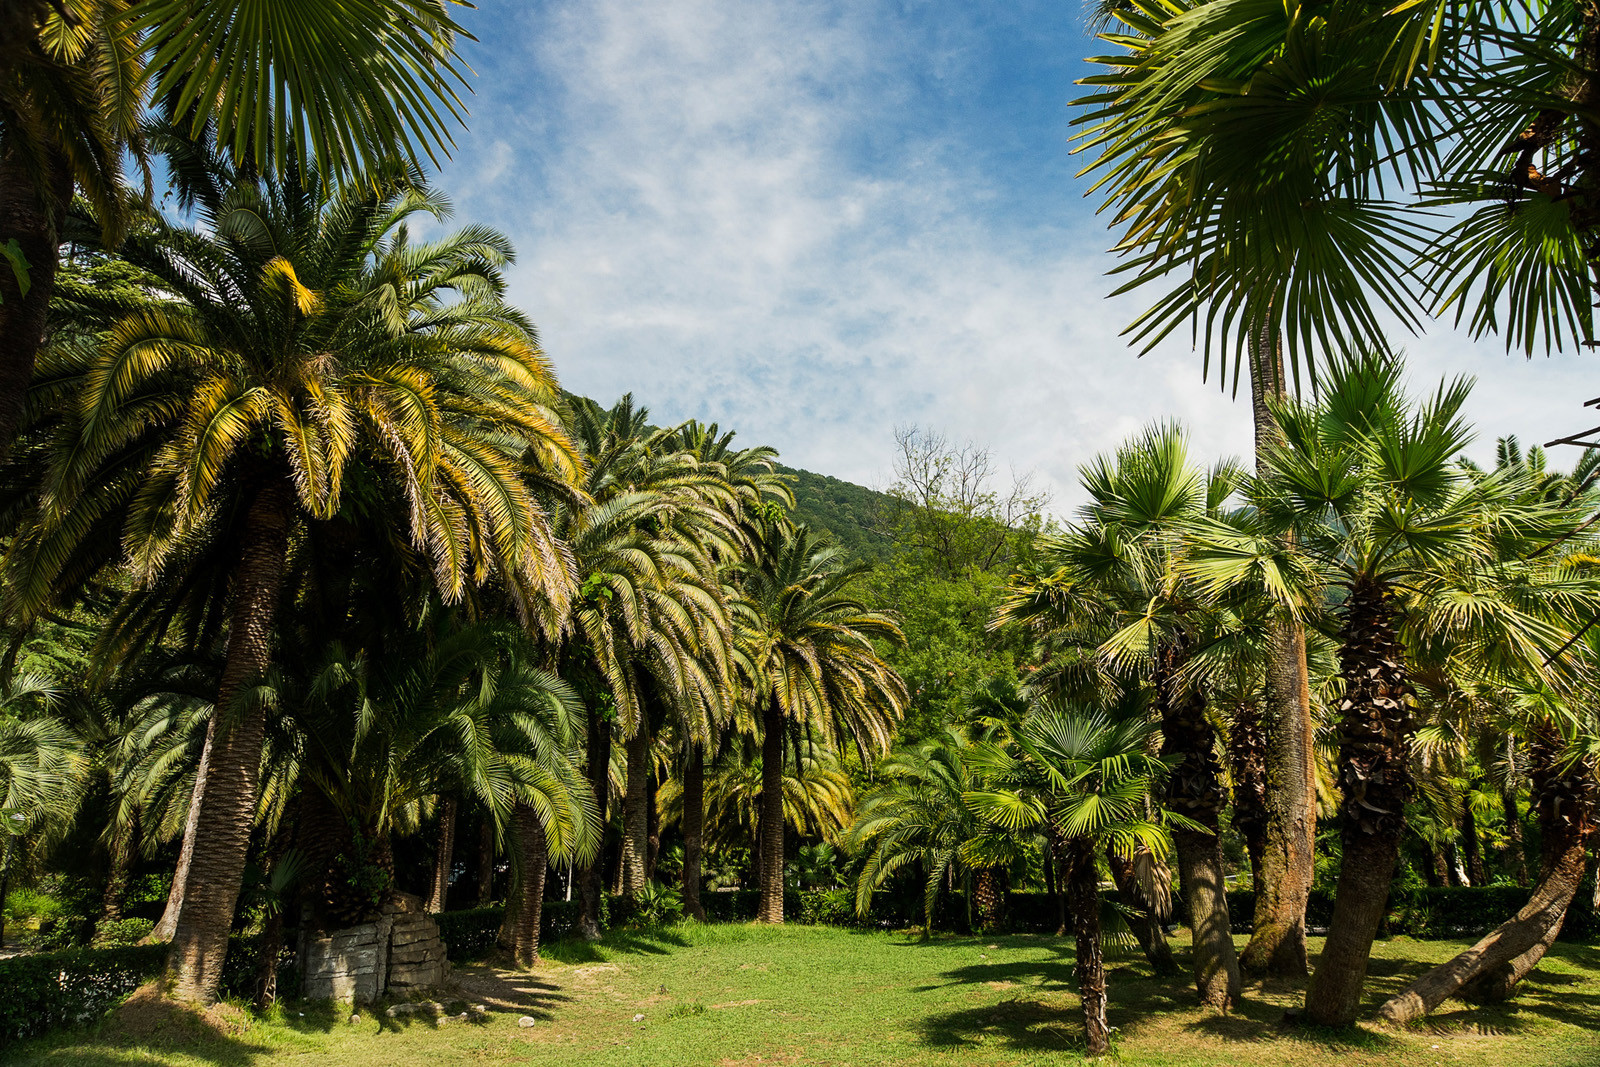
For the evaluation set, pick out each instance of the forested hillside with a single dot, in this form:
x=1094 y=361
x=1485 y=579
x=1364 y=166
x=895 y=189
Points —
x=853 y=514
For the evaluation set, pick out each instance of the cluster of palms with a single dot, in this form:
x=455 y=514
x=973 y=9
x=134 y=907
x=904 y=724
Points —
x=1447 y=609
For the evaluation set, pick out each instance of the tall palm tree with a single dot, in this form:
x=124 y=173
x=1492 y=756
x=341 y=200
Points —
x=1091 y=779
x=303 y=362
x=276 y=83
x=1113 y=579
x=1419 y=551
x=816 y=670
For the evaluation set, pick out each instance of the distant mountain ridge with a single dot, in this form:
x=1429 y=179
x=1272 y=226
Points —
x=847 y=511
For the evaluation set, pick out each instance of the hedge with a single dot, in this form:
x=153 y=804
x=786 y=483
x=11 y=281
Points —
x=48 y=990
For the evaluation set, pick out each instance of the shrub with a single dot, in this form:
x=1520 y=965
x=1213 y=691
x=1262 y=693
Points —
x=471 y=934
x=656 y=904
x=122 y=933
x=48 y=990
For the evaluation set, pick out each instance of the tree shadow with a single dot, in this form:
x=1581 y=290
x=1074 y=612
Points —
x=654 y=941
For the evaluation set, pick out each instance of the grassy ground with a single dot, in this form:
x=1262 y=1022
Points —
x=736 y=995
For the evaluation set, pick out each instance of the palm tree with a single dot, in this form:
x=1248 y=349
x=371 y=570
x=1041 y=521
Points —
x=277 y=85
x=815 y=670
x=304 y=362
x=1367 y=486
x=43 y=769
x=1091 y=779
x=920 y=815
x=1113 y=581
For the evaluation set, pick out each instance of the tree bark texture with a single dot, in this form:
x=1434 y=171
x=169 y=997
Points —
x=120 y=855
x=486 y=861
x=1471 y=848
x=1375 y=782
x=230 y=764
x=32 y=217
x=1247 y=756
x=694 y=825
x=1278 y=944
x=772 y=813
x=1491 y=969
x=1516 y=856
x=1149 y=924
x=988 y=894
x=519 y=933
x=1083 y=881
x=444 y=854
x=1195 y=790
x=591 y=879
x=636 y=814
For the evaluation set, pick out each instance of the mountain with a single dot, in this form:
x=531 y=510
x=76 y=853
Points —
x=847 y=511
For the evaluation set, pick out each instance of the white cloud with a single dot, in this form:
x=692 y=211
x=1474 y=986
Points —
x=700 y=223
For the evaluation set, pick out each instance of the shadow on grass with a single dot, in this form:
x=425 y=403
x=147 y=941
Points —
x=654 y=942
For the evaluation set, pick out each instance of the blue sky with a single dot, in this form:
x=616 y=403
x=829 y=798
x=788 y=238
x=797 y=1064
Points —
x=815 y=221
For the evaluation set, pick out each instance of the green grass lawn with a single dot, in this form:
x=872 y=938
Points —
x=735 y=995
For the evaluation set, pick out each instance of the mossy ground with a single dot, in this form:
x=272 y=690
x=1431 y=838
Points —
x=734 y=995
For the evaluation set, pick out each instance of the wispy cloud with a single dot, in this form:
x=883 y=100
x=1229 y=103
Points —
x=791 y=218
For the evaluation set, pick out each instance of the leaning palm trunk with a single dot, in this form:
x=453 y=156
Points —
x=519 y=932
x=1278 y=944
x=230 y=764
x=694 y=821
x=1375 y=783
x=591 y=879
x=635 y=815
x=1491 y=969
x=1083 y=881
x=1195 y=791
x=772 y=814
x=1149 y=924
x=444 y=855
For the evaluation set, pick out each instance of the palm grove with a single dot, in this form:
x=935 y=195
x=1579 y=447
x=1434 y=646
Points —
x=318 y=585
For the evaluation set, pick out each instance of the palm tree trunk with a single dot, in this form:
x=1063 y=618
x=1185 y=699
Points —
x=1491 y=969
x=121 y=856
x=1195 y=791
x=1278 y=944
x=635 y=813
x=31 y=216
x=1433 y=871
x=1247 y=744
x=519 y=933
x=694 y=823
x=772 y=813
x=444 y=854
x=1470 y=845
x=486 y=861
x=230 y=764
x=1149 y=925
x=1375 y=783
x=988 y=898
x=1517 y=857
x=1057 y=851
x=1083 y=882
x=591 y=879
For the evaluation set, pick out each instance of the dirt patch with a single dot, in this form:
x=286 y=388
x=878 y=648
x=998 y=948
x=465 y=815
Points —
x=148 y=1014
x=736 y=1004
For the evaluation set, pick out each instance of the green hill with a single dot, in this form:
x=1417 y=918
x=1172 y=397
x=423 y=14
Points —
x=848 y=511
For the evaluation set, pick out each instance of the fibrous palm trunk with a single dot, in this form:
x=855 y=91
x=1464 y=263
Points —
x=989 y=897
x=636 y=814
x=1375 y=730
x=1195 y=791
x=1278 y=944
x=1470 y=846
x=121 y=861
x=1491 y=969
x=1083 y=893
x=694 y=821
x=519 y=931
x=1247 y=745
x=230 y=764
x=31 y=209
x=591 y=879
x=444 y=854
x=1149 y=924
x=1515 y=855
x=486 y=861
x=772 y=813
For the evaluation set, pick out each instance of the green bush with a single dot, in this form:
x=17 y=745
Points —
x=26 y=905
x=48 y=990
x=470 y=934
x=122 y=933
